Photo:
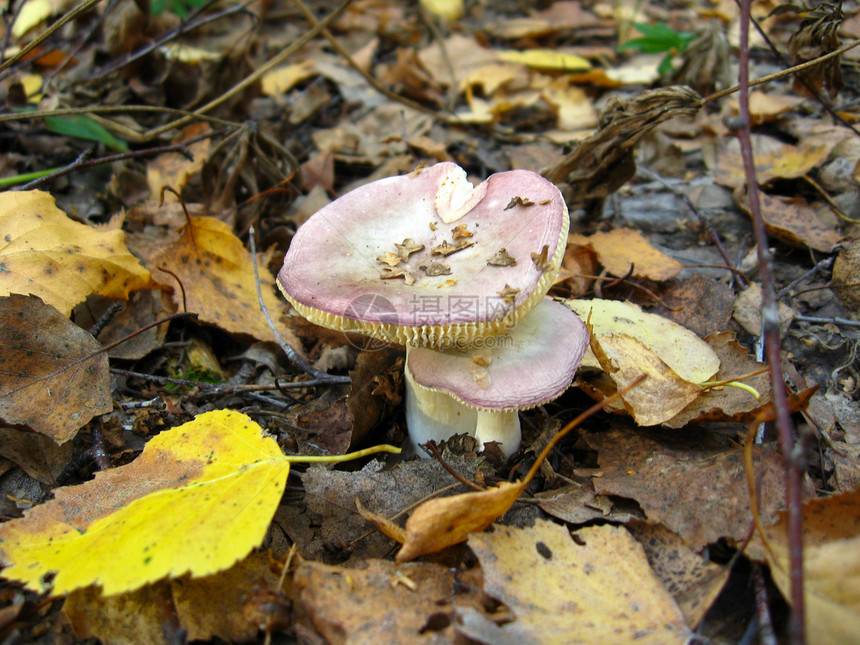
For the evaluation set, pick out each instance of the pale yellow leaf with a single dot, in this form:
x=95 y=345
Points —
x=682 y=350
x=545 y=59
x=595 y=588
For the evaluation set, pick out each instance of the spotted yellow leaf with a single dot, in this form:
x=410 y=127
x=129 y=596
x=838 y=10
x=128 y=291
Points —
x=45 y=253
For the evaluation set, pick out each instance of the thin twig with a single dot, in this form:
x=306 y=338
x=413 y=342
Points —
x=291 y=354
x=702 y=219
x=783 y=73
x=791 y=450
x=358 y=68
x=839 y=322
x=85 y=6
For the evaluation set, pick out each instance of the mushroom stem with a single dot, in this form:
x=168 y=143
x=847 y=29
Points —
x=435 y=415
x=503 y=427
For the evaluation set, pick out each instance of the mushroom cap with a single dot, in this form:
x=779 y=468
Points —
x=405 y=259
x=534 y=363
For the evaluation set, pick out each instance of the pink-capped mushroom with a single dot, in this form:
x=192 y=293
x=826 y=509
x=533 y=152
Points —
x=430 y=261
x=426 y=245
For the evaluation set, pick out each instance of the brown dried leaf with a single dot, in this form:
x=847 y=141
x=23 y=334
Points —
x=217 y=274
x=207 y=607
x=386 y=602
x=795 y=222
x=601 y=164
x=701 y=304
x=35 y=454
x=621 y=249
x=773 y=160
x=693 y=581
x=688 y=482
x=52 y=376
x=440 y=523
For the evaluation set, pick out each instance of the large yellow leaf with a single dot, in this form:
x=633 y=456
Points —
x=46 y=254
x=595 y=588
x=197 y=500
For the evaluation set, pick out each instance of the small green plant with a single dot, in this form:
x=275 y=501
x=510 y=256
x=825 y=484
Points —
x=83 y=127
x=657 y=39
x=180 y=7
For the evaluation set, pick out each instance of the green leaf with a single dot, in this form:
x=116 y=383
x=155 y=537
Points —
x=657 y=39
x=179 y=7
x=665 y=66
x=83 y=127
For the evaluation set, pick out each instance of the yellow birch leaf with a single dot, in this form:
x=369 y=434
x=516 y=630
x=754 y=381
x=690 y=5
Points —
x=623 y=249
x=282 y=79
x=31 y=14
x=447 y=9
x=546 y=59
x=198 y=499
x=595 y=588
x=688 y=355
x=46 y=254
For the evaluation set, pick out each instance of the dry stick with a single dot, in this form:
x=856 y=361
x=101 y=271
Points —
x=782 y=73
x=279 y=58
x=791 y=451
x=291 y=354
x=812 y=91
x=345 y=54
x=183 y=28
x=702 y=219
x=71 y=15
